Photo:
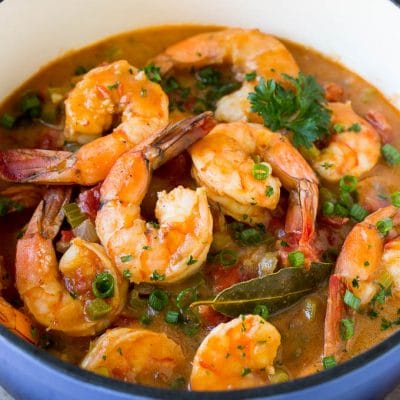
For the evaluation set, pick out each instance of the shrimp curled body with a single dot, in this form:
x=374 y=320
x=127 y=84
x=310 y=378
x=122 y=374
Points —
x=246 y=50
x=236 y=355
x=176 y=246
x=224 y=162
x=105 y=92
x=57 y=304
x=354 y=150
x=135 y=355
x=365 y=257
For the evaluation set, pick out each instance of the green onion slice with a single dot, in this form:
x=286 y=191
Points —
x=103 y=285
x=329 y=362
x=384 y=225
x=296 y=259
x=348 y=183
x=395 y=197
x=261 y=310
x=358 y=212
x=186 y=297
x=172 y=317
x=346 y=328
x=260 y=171
x=328 y=208
x=228 y=257
x=73 y=214
x=351 y=300
x=390 y=154
x=97 y=308
x=158 y=299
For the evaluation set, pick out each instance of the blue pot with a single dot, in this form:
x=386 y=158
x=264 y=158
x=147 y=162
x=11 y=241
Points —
x=31 y=373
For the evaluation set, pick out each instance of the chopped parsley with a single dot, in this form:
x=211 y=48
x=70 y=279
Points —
x=153 y=73
x=156 y=276
x=354 y=128
x=113 y=86
x=127 y=274
x=191 y=260
x=269 y=191
x=301 y=111
x=126 y=258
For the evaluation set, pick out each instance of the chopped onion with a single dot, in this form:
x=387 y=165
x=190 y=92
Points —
x=86 y=231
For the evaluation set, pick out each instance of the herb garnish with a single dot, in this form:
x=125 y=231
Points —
x=301 y=111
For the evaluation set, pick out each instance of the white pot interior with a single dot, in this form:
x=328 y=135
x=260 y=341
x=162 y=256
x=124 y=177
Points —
x=362 y=35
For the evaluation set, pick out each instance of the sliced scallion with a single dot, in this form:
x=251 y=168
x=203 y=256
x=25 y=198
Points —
x=296 y=259
x=384 y=225
x=103 y=285
x=97 y=308
x=261 y=310
x=158 y=300
x=351 y=300
x=73 y=214
x=227 y=257
x=348 y=183
x=260 y=171
x=172 y=317
x=346 y=328
x=358 y=212
x=390 y=154
x=329 y=362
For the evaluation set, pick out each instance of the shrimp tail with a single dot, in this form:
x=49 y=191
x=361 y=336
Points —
x=48 y=216
x=173 y=139
x=301 y=216
x=35 y=165
x=335 y=312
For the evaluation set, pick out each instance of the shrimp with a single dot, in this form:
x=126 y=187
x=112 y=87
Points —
x=105 y=92
x=135 y=355
x=68 y=304
x=353 y=150
x=17 y=322
x=236 y=355
x=247 y=50
x=179 y=245
x=224 y=163
x=364 y=259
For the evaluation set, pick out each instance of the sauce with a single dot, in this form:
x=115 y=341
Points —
x=302 y=338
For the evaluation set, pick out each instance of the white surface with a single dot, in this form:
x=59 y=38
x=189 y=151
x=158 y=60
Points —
x=345 y=29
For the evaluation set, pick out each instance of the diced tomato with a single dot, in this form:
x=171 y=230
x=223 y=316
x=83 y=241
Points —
x=89 y=201
x=333 y=92
x=210 y=317
x=223 y=277
x=67 y=236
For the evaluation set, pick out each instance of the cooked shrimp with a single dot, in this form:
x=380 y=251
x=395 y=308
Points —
x=364 y=258
x=105 y=92
x=70 y=303
x=247 y=51
x=354 y=150
x=16 y=321
x=135 y=355
x=224 y=163
x=236 y=355
x=179 y=245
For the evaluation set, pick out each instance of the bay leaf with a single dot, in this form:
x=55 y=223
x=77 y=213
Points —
x=277 y=291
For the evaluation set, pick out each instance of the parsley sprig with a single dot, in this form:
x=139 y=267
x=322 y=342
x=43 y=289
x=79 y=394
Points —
x=300 y=109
